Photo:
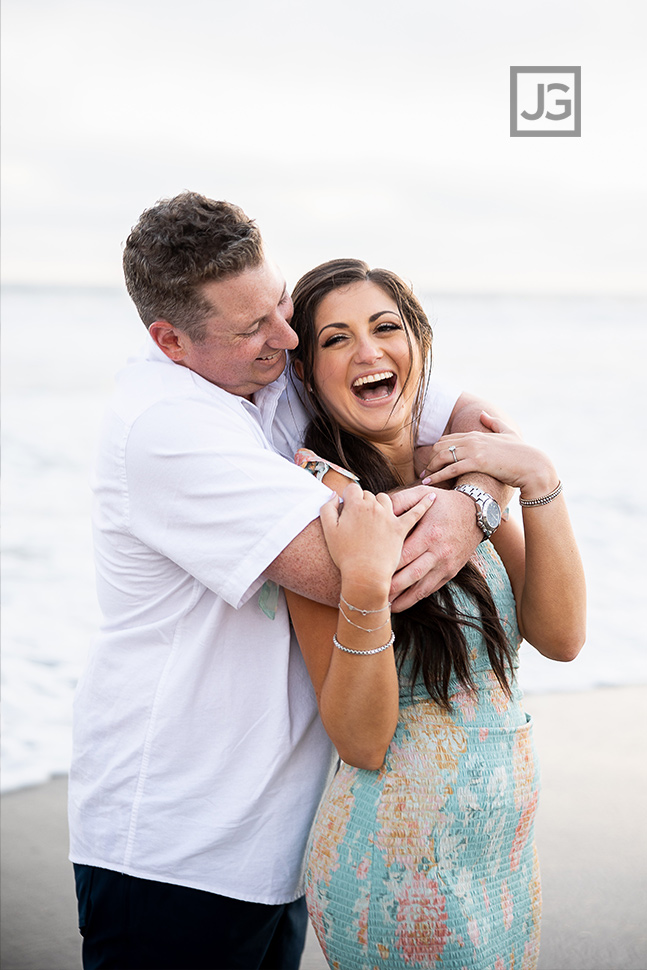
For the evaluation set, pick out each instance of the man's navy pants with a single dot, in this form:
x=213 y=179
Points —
x=137 y=924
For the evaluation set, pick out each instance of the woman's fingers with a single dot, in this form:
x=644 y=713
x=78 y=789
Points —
x=457 y=454
x=446 y=455
x=363 y=533
x=409 y=519
x=503 y=456
x=448 y=472
x=384 y=500
x=495 y=424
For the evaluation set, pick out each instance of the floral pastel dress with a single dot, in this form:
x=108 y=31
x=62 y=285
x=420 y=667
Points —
x=430 y=861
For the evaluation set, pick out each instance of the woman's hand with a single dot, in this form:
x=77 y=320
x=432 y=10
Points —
x=364 y=536
x=503 y=455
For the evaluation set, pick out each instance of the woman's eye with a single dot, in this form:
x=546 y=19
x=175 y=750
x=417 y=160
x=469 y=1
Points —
x=335 y=339
x=388 y=326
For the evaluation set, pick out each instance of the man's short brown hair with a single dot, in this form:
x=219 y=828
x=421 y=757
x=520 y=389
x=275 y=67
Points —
x=178 y=245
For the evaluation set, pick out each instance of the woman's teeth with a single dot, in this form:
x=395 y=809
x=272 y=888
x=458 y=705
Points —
x=374 y=386
x=372 y=378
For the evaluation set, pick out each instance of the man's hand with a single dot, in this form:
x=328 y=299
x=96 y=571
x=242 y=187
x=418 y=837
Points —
x=437 y=548
x=360 y=523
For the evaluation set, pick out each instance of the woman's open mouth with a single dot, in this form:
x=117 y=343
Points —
x=374 y=387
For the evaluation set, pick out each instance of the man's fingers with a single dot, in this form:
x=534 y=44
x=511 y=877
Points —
x=402 y=599
x=409 y=598
x=405 y=598
x=421 y=570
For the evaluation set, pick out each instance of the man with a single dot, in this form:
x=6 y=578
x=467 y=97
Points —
x=199 y=758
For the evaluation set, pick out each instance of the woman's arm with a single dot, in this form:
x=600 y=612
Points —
x=357 y=692
x=357 y=696
x=546 y=575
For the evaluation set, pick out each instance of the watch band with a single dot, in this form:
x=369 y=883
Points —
x=484 y=504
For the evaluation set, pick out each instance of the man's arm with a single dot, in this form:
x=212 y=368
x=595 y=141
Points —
x=435 y=551
x=466 y=416
x=446 y=537
x=306 y=568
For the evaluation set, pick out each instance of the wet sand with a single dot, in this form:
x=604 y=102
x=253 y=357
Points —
x=591 y=835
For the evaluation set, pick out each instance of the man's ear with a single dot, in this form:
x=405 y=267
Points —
x=170 y=340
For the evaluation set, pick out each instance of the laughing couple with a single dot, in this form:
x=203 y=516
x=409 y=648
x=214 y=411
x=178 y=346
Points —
x=257 y=628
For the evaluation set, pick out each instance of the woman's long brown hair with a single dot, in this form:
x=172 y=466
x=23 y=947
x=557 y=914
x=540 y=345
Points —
x=430 y=633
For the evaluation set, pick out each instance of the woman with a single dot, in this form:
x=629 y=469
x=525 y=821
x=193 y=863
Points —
x=422 y=853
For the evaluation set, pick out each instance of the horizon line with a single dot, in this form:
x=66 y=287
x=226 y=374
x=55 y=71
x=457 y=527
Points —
x=428 y=292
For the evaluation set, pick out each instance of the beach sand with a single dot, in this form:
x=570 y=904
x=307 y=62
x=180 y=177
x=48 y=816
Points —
x=591 y=835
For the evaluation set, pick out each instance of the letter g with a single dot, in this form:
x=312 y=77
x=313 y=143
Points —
x=565 y=103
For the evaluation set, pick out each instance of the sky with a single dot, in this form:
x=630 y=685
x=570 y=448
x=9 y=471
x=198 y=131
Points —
x=346 y=128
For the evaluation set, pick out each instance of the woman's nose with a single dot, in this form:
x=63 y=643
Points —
x=368 y=350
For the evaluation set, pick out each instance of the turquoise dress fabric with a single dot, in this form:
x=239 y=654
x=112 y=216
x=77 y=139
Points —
x=430 y=861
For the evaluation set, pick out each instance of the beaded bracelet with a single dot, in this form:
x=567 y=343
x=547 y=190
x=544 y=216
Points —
x=544 y=500
x=364 y=653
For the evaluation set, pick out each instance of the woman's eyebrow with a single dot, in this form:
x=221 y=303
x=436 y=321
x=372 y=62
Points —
x=380 y=313
x=344 y=326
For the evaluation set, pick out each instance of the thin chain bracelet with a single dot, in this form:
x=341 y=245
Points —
x=544 y=500
x=373 y=630
x=364 y=653
x=356 y=609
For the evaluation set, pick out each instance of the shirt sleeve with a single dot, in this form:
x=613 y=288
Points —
x=436 y=411
x=319 y=467
x=213 y=497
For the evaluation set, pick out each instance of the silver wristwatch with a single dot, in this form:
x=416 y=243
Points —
x=488 y=513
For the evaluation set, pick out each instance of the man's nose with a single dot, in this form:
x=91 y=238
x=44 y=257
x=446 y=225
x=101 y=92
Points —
x=282 y=336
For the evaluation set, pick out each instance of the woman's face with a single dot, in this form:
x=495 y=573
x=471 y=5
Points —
x=362 y=360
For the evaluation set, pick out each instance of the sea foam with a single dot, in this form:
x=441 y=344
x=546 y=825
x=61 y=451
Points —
x=567 y=369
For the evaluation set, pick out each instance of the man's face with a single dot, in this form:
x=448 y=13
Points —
x=248 y=333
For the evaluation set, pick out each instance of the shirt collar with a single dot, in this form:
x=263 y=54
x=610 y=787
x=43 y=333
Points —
x=266 y=401
x=263 y=407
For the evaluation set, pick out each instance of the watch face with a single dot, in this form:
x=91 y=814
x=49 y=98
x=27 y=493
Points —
x=492 y=515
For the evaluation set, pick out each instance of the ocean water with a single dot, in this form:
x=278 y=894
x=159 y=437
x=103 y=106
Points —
x=569 y=370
